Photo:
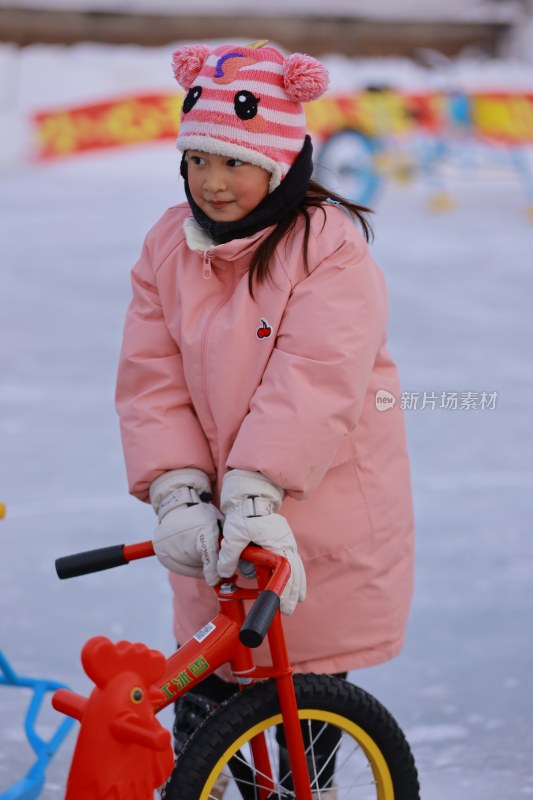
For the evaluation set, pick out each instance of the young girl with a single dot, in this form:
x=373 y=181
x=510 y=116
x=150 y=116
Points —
x=253 y=367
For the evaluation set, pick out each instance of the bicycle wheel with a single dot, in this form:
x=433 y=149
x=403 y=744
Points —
x=355 y=749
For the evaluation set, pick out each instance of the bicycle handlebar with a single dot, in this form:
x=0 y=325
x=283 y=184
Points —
x=261 y=614
x=259 y=618
x=102 y=558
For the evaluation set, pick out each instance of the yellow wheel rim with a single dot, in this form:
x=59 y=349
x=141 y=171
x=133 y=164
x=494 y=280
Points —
x=376 y=759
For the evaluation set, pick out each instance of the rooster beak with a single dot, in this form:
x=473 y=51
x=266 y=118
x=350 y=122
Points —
x=157 y=697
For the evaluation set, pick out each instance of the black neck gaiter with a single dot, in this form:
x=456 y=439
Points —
x=275 y=207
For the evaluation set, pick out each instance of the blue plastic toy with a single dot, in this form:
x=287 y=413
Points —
x=30 y=786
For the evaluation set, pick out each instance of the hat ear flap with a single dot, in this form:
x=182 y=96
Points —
x=304 y=77
x=187 y=63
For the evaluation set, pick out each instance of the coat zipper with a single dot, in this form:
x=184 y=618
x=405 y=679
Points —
x=208 y=327
x=206 y=266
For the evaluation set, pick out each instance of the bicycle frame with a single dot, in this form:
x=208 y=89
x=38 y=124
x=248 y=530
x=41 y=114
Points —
x=220 y=641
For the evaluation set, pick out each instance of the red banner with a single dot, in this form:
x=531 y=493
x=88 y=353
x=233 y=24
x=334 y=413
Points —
x=114 y=123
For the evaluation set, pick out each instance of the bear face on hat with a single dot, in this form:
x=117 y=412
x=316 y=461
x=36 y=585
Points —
x=246 y=103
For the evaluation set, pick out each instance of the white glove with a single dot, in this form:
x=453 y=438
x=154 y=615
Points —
x=249 y=501
x=186 y=539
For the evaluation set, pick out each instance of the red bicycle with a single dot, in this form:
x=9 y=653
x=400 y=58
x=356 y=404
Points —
x=310 y=737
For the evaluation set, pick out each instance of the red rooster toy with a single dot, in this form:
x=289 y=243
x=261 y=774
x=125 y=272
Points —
x=122 y=752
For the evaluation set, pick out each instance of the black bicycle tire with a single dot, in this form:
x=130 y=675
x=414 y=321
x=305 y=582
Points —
x=242 y=711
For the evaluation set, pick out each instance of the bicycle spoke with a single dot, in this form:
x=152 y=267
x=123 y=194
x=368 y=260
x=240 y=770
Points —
x=315 y=780
x=247 y=775
x=348 y=784
x=243 y=774
x=310 y=754
x=248 y=780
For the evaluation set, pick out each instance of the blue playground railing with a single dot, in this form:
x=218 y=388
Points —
x=30 y=786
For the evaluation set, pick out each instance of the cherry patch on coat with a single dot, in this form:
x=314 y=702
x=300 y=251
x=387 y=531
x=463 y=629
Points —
x=264 y=331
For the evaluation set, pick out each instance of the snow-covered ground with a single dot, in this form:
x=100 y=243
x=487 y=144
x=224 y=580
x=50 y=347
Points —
x=460 y=287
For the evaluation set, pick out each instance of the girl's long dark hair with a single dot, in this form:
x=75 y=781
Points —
x=316 y=197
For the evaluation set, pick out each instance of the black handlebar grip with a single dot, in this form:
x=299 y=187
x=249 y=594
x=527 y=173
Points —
x=255 y=626
x=90 y=561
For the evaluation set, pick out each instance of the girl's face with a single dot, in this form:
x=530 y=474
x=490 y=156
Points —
x=226 y=189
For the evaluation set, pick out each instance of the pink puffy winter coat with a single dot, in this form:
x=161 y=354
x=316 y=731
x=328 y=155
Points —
x=284 y=384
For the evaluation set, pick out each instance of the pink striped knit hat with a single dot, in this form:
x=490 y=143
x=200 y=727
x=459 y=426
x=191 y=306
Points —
x=246 y=103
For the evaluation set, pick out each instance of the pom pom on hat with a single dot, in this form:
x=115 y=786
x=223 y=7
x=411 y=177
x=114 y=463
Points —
x=187 y=63
x=305 y=78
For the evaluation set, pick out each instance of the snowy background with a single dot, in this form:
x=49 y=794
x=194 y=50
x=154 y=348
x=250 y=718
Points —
x=460 y=287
